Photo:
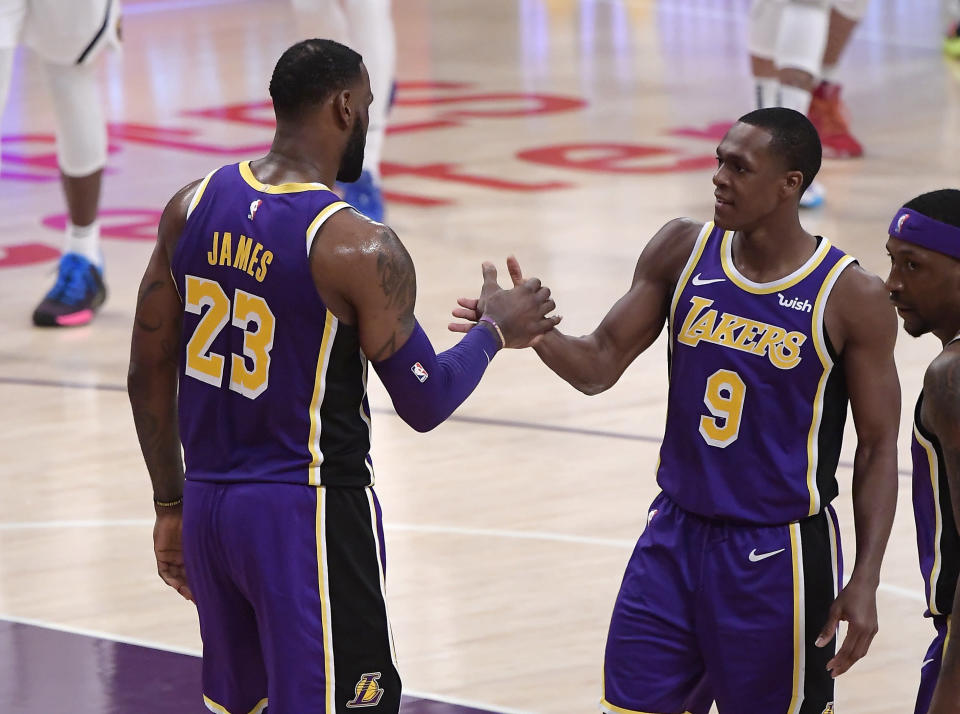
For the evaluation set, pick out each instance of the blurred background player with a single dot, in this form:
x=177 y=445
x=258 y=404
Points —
x=367 y=27
x=951 y=14
x=68 y=36
x=795 y=48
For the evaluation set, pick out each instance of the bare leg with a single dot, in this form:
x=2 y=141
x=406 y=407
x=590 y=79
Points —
x=83 y=196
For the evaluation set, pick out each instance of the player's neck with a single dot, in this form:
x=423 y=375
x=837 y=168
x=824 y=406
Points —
x=767 y=253
x=294 y=159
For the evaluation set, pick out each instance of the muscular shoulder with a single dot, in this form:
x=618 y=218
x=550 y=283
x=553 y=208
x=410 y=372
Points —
x=941 y=390
x=667 y=252
x=174 y=217
x=352 y=256
x=860 y=309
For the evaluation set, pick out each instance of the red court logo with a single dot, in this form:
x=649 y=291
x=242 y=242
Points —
x=368 y=691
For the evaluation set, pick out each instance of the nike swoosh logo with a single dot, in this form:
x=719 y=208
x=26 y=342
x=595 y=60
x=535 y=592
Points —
x=697 y=280
x=926 y=662
x=756 y=558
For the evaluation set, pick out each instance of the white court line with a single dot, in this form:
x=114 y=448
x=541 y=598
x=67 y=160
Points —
x=196 y=653
x=546 y=536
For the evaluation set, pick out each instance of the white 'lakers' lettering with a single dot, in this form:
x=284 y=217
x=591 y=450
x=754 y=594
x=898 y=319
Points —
x=740 y=333
x=246 y=256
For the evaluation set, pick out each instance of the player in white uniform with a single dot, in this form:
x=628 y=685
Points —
x=68 y=35
x=795 y=47
x=365 y=26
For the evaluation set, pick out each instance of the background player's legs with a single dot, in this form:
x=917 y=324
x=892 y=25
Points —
x=371 y=33
x=764 y=26
x=367 y=27
x=827 y=111
x=82 y=154
x=787 y=39
x=930 y=669
x=766 y=593
x=234 y=677
x=652 y=663
x=12 y=14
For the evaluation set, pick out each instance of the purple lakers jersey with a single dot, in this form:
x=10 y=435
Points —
x=757 y=403
x=937 y=540
x=272 y=385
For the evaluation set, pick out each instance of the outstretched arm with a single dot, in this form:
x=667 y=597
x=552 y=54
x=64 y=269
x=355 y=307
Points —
x=367 y=278
x=152 y=388
x=594 y=362
x=865 y=322
x=941 y=414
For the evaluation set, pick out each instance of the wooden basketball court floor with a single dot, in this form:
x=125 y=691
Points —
x=565 y=131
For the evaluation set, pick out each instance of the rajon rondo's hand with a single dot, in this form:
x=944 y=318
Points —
x=537 y=325
x=167 y=536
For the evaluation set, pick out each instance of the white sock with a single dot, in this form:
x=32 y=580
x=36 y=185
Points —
x=85 y=241
x=795 y=98
x=829 y=74
x=768 y=92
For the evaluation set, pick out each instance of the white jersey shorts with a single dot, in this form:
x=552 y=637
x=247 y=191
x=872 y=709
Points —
x=60 y=31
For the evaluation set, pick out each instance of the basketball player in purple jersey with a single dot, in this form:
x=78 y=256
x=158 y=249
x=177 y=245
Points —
x=924 y=284
x=734 y=590
x=263 y=300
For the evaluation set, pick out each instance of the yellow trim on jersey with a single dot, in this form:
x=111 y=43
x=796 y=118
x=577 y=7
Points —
x=319 y=389
x=934 y=463
x=799 y=651
x=692 y=261
x=744 y=283
x=375 y=527
x=247 y=174
x=198 y=192
x=820 y=344
x=946 y=640
x=834 y=552
x=321 y=218
x=214 y=707
x=614 y=709
x=325 y=616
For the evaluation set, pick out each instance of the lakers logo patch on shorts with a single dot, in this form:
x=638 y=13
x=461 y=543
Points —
x=829 y=709
x=368 y=691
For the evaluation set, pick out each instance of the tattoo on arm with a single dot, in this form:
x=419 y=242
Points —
x=397 y=278
x=141 y=323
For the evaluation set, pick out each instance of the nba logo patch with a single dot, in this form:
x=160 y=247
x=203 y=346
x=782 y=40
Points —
x=253 y=209
x=900 y=222
x=368 y=692
x=420 y=372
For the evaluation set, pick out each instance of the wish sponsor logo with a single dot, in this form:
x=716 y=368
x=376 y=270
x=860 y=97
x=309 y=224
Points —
x=795 y=303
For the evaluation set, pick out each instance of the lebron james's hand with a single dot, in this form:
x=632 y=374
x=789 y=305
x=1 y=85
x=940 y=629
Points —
x=527 y=294
x=167 y=535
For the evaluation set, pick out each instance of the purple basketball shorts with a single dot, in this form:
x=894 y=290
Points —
x=713 y=611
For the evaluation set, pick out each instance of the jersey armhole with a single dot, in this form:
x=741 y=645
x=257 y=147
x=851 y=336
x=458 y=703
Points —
x=198 y=192
x=698 y=247
x=320 y=219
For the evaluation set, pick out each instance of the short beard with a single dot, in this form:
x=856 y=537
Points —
x=351 y=165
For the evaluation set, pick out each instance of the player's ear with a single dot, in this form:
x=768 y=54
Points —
x=792 y=183
x=343 y=108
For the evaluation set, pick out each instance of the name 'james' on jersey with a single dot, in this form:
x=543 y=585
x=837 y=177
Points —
x=272 y=384
x=757 y=403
